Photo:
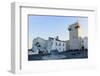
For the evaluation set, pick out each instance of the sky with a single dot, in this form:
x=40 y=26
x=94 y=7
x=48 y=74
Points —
x=52 y=26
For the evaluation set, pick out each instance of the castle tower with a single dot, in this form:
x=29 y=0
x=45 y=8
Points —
x=74 y=36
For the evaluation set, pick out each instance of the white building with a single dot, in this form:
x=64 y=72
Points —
x=45 y=46
x=56 y=44
x=75 y=36
x=75 y=42
x=85 y=42
x=39 y=45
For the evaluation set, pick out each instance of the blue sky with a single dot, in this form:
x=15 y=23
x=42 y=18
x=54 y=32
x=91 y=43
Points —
x=51 y=26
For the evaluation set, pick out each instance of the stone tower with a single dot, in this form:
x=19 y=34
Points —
x=74 y=36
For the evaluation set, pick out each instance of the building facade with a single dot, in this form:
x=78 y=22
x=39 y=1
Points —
x=56 y=44
x=75 y=42
x=75 y=36
x=39 y=45
x=46 y=46
x=85 y=42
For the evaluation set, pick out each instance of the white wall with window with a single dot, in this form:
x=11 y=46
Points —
x=56 y=44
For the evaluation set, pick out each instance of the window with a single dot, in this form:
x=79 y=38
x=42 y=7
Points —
x=63 y=44
x=69 y=29
x=63 y=49
x=59 y=44
x=77 y=26
x=51 y=43
x=56 y=43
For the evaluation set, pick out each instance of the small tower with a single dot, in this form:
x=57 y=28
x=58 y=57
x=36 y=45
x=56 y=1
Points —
x=74 y=36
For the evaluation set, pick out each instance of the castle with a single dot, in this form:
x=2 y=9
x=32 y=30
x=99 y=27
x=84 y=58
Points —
x=75 y=42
